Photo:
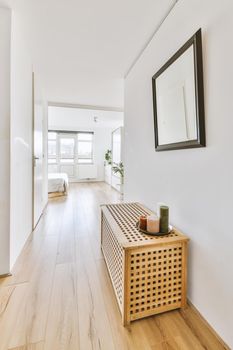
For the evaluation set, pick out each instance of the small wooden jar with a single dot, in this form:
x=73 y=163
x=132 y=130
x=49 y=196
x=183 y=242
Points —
x=143 y=222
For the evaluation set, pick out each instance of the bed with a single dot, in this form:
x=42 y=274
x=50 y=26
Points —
x=58 y=183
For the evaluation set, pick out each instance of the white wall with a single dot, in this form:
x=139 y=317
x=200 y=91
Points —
x=84 y=117
x=197 y=184
x=5 y=32
x=21 y=140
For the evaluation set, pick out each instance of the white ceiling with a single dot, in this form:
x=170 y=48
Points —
x=82 y=119
x=82 y=48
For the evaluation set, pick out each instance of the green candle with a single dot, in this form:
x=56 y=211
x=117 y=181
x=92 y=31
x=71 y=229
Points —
x=164 y=219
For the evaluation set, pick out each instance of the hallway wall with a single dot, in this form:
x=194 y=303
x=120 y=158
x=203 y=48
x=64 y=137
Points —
x=196 y=183
x=21 y=140
x=5 y=33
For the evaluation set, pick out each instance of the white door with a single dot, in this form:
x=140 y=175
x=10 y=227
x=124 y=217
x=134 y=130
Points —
x=38 y=156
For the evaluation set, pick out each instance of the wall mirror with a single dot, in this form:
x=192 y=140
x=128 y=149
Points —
x=178 y=99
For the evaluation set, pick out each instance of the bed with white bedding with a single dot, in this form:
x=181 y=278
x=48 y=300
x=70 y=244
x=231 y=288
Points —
x=58 y=182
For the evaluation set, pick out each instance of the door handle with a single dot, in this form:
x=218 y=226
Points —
x=35 y=159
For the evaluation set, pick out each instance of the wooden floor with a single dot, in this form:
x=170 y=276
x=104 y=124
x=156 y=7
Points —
x=60 y=296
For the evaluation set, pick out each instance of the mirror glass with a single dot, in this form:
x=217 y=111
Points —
x=176 y=104
x=176 y=101
x=116 y=146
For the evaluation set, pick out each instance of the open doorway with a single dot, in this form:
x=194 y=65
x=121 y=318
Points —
x=78 y=141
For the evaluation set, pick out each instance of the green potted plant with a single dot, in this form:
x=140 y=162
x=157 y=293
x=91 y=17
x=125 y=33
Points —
x=108 y=157
x=119 y=169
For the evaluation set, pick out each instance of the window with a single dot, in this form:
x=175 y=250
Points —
x=52 y=147
x=67 y=149
x=85 y=148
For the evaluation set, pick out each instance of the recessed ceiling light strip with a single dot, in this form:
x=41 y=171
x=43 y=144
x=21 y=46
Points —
x=151 y=37
x=80 y=106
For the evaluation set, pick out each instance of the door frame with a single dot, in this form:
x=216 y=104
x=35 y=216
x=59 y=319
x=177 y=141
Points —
x=33 y=147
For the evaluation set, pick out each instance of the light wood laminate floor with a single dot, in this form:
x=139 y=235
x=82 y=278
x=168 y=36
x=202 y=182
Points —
x=60 y=296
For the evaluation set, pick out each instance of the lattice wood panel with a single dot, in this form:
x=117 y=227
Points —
x=148 y=273
x=113 y=253
x=126 y=216
x=155 y=280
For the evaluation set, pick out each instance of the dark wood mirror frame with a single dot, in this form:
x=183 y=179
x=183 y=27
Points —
x=196 y=41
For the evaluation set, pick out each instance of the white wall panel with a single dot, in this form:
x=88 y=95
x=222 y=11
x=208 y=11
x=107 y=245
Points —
x=87 y=172
x=5 y=34
x=21 y=140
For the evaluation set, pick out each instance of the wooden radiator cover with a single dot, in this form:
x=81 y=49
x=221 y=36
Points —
x=148 y=273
